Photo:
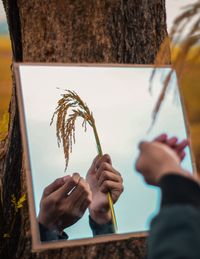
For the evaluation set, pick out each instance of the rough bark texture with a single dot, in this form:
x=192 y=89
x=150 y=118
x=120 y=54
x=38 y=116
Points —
x=103 y=31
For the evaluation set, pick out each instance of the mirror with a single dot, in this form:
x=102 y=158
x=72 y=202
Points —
x=122 y=105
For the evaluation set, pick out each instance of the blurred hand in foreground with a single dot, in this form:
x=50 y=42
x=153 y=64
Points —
x=174 y=144
x=160 y=157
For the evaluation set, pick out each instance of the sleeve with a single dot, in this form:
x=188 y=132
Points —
x=50 y=235
x=175 y=231
x=101 y=229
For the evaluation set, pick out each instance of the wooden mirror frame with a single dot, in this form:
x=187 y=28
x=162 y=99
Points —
x=37 y=245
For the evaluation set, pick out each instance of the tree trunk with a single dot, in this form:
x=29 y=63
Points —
x=103 y=31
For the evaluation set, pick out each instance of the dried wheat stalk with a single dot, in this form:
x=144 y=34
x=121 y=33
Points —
x=69 y=108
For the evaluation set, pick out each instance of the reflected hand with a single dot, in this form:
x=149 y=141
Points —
x=156 y=160
x=103 y=178
x=173 y=144
x=64 y=202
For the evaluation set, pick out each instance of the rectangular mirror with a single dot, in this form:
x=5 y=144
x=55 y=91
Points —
x=121 y=104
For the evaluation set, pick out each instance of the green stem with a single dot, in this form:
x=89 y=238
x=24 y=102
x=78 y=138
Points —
x=99 y=149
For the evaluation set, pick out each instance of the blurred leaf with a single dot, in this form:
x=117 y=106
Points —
x=6 y=235
x=4 y=126
x=189 y=46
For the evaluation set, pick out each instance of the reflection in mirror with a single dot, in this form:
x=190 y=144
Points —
x=74 y=204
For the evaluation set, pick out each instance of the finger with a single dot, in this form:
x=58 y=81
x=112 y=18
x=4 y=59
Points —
x=76 y=177
x=85 y=204
x=84 y=201
x=182 y=155
x=105 y=158
x=109 y=186
x=93 y=165
x=70 y=183
x=172 y=142
x=95 y=160
x=183 y=144
x=105 y=167
x=161 y=138
x=107 y=175
x=138 y=164
x=54 y=186
x=81 y=190
x=75 y=207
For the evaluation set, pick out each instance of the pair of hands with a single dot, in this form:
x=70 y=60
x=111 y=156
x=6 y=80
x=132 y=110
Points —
x=160 y=157
x=65 y=200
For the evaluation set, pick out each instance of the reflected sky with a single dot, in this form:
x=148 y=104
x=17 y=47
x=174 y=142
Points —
x=122 y=106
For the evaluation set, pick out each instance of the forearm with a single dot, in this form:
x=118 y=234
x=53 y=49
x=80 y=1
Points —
x=179 y=190
x=174 y=231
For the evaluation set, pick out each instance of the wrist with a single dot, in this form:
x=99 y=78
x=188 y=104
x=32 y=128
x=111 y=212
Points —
x=182 y=173
x=100 y=217
x=48 y=225
x=174 y=169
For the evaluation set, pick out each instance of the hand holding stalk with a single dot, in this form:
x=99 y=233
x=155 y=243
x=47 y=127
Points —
x=69 y=108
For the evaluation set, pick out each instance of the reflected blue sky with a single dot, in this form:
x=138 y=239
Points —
x=122 y=106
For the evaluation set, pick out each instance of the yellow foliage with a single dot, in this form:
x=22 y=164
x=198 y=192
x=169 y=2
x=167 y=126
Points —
x=5 y=43
x=189 y=81
x=5 y=62
x=18 y=204
x=6 y=235
x=5 y=84
x=191 y=94
x=193 y=55
x=4 y=126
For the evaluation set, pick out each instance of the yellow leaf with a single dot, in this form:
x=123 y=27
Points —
x=21 y=199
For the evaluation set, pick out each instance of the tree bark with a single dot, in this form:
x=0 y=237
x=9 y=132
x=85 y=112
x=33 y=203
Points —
x=103 y=31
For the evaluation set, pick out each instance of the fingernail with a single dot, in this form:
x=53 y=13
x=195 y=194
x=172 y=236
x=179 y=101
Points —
x=76 y=177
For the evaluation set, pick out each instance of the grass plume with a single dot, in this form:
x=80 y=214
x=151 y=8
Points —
x=70 y=107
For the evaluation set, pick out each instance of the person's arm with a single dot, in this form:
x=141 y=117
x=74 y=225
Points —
x=175 y=231
x=51 y=234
